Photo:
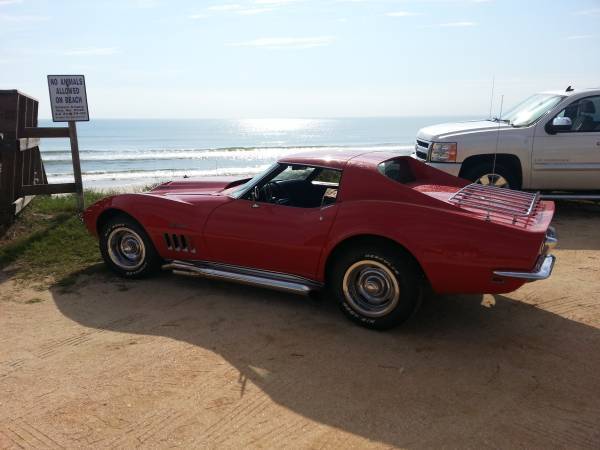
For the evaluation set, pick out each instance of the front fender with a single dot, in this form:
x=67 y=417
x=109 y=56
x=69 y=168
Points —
x=158 y=215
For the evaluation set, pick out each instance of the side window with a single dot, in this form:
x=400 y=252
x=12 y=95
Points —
x=327 y=177
x=584 y=115
x=298 y=186
x=294 y=172
x=398 y=170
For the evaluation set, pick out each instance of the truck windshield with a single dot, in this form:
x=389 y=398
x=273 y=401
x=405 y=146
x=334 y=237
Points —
x=530 y=110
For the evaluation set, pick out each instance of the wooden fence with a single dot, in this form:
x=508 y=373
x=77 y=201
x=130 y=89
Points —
x=22 y=173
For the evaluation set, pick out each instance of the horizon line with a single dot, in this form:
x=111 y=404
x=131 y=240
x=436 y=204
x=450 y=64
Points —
x=277 y=118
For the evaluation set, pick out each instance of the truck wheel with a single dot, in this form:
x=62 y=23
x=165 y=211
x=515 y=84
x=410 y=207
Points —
x=127 y=250
x=375 y=287
x=485 y=174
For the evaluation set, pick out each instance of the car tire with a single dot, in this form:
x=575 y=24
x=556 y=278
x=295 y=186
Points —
x=126 y=248
x=487 y=174
x=376 y=287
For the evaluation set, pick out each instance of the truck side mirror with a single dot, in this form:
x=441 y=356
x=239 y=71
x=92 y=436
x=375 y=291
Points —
x=559 y=124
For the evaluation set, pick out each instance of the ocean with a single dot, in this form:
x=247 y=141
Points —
x=118 y=153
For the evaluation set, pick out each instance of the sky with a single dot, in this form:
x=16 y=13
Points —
x=299 y=58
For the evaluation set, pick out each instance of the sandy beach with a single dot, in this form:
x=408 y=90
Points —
x=184 y=362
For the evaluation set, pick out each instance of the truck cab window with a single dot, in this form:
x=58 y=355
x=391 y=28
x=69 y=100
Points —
x=584 y=114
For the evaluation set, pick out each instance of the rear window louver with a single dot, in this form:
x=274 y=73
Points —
x=179 y=243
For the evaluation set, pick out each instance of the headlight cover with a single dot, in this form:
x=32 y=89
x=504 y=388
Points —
x=443 y=152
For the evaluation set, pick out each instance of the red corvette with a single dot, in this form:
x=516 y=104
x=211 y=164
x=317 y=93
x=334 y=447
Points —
x=373 y=227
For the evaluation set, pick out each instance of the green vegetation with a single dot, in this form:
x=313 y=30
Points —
x=48 y=241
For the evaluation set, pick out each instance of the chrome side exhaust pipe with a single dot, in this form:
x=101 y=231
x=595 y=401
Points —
x=242 y=275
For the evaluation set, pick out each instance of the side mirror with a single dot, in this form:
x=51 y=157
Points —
x=559 y=124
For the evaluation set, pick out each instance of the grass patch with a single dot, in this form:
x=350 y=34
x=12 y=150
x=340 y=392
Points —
x=48 y=240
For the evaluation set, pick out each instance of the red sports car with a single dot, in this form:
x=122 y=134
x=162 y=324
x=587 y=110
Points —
x=373 y=227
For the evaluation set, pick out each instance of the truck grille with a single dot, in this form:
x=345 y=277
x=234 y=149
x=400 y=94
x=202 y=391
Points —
x=422 y=149
x=421 y=155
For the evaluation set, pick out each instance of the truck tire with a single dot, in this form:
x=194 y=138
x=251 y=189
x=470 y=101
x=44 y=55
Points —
x=376 y=287
x=486 y=174
x=126 y=248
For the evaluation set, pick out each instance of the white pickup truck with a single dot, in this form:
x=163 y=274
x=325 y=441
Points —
x=550 y=142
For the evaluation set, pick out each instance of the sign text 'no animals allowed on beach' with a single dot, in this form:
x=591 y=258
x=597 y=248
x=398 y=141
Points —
x=68 y=98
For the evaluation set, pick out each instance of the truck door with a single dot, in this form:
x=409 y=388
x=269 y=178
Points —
x=569 y=158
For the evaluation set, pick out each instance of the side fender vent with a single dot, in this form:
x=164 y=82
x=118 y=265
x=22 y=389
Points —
x=179 y=243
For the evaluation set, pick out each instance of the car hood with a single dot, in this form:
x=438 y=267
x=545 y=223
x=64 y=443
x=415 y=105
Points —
x=446 y=130
x=198 y=186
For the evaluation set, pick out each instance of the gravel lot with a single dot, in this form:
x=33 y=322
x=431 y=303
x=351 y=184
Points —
x=186 y=362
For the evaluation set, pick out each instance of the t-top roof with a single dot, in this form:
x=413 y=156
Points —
x=338 y=159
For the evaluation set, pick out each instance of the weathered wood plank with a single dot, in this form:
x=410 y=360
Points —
x=8 y=156
x=8 y=114
x=28 y=143
x=45 y=132
x=21 y=203
x=38 y=189
x=18 y=177
x=35 y=114
x=27 y=166
x=21 y=115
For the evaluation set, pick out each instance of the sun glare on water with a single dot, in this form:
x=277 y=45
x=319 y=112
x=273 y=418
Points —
x=276 y=125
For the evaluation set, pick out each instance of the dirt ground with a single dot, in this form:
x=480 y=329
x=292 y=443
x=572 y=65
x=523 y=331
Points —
x=185 y=362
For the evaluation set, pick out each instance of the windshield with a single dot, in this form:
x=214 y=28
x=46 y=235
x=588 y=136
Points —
x=239 y=190
x=530 y=110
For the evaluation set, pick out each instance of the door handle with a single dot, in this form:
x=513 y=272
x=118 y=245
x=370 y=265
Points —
x=255 y=205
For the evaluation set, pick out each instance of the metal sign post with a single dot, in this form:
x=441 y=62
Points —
x=68 y=99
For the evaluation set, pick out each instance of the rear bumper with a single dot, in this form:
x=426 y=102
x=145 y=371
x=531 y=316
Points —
x=544 y=265
x=543 y=270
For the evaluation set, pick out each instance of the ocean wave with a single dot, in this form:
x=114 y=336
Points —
x=233 y=153
x=101 y=175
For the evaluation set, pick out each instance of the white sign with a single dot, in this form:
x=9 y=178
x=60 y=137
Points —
x=68 y=98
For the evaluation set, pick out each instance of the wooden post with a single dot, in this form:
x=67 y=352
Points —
x=8 y=154
x=76 y=165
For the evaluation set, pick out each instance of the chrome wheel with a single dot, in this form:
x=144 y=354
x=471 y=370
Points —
x=126 y=248
x=371 y=288
x=493 y=179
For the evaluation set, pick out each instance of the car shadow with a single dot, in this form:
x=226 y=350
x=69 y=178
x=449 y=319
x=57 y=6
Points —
x=457 y=374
